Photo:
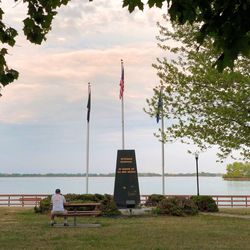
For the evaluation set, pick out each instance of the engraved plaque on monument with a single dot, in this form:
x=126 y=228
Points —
x=126 y=192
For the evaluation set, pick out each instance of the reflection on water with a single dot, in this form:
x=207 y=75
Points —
x=102 y=185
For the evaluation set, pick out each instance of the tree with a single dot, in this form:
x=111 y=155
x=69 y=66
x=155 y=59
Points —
x=238 y=170
x=204 y=105
x=36 y=26
x=226 y=22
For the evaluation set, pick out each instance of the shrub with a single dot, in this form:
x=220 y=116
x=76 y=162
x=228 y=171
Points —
x=108 y=206
x=83 y=197
x=205 y=203
x=177 y=206
x=190 y=208
x=44 y=205
x=153 y=200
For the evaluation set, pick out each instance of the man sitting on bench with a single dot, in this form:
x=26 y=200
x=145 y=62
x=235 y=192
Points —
x=58 y=201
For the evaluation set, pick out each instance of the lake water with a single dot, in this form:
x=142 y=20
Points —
x=102 y=185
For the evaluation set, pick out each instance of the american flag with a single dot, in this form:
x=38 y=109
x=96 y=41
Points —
x=122 y=80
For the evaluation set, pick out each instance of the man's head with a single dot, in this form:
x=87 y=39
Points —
x=58 y=191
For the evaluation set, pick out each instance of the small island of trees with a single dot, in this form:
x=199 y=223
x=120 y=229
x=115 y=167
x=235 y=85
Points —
x=238 y=171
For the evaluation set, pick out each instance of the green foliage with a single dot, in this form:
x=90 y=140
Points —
x=39 y=20
x=238 y=170
x=108 y=206
x=132 y=4
x=226 y=22
x=177 y=206
x=6 y=75
x=83 y=197
x=205 y=203
x=44 y=206
x=154 y=199
x=205 y=106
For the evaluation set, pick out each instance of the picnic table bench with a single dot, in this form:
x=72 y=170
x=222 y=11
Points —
x=92 y=209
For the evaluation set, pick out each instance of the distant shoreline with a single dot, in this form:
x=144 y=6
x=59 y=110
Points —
x=236 y=178
x=110 y=175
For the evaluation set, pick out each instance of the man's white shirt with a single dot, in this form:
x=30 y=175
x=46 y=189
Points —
x=57 y=201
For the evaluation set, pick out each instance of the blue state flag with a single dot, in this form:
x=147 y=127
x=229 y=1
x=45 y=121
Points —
x=159 y=107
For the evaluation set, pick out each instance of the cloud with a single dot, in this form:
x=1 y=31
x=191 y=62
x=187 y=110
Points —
x=102 y=24
x=57 y=79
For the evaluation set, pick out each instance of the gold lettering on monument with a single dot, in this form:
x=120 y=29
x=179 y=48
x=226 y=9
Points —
x=127 y=170
x=126 y=160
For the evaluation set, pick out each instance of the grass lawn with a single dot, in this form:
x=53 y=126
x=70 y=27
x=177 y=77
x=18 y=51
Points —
x=238 y=211
x=23 y=229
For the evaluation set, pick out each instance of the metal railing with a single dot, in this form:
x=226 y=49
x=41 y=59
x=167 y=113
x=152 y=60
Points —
x=27 y=200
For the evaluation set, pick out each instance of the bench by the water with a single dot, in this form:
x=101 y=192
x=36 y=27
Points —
x=90 y=209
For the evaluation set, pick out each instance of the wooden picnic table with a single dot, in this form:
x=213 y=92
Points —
x=92 y=209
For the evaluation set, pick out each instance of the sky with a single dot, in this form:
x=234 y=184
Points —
x=43 y=114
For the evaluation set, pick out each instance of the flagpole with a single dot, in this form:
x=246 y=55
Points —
x=163 y=152
x=160 y=116
x=123 y=140
x=122 y=102
x=87 y=147
x=87 y=161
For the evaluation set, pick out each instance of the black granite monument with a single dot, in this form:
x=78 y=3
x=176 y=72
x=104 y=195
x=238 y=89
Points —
x=126 y=192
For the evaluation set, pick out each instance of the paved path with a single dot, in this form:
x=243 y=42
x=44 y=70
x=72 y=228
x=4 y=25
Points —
x=229 y=215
